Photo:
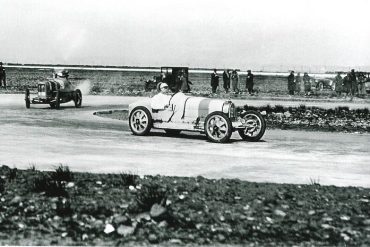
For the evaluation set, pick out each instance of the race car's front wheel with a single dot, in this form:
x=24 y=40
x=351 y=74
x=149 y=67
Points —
x=27 y=98
x=78 y=98
x=218 y=127
x=255 y=126
x=140 y=121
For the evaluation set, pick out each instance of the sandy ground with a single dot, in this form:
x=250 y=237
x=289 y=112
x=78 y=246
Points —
x=84 y=142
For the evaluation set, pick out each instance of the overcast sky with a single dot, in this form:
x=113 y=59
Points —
x=195 y=33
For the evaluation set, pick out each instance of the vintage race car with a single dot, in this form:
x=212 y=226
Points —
x=216 y=118
x=49 y=92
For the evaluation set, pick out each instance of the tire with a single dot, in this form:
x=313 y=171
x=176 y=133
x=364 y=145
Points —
x=57 y=100
x=171 y=132
x=27 y=98
x=78 y=98
x=140 y=121
x=255 y=126
x=218 y=127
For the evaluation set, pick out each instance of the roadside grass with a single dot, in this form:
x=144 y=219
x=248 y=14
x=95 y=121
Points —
x=181 y=210
x=53 y=184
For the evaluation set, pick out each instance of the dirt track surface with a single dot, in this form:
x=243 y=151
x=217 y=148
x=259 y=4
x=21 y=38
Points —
x=84 y=142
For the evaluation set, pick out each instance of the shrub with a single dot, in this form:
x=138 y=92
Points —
x=342 y=108
x=44 y=183
x=62 y=173
x=12 y=174
x=150 y=194
x=128 y=179
x=315 y=182
x=268 y=108
x=302 y=107
x=2 y=185
x=32 y=167
x=279 y=108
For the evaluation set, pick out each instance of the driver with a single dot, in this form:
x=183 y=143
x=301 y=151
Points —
x=61 y=78
x=161 y=100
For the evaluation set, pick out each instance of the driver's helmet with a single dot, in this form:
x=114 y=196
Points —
x=61 y=73
x=162 y=86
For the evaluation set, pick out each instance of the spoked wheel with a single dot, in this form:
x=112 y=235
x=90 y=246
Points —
x=27 y=98
x=255 y=126
x=218 y=127
x=57 y=100
x=78 y=98
x=140 y=121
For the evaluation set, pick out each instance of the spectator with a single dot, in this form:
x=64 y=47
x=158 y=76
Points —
x=162 y=77
x=291 y=84
x=353 y=82
x=347 y=84
x=361 y=84
x=2 y=76
x=214 y=81
x=183 y=82
x=298 y=81
x=226 y=79
x=235 y=81
x=338 y=82
x=306 y=84
x=249 y=82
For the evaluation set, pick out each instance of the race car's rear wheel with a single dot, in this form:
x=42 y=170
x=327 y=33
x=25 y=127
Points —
x=57 y=100
x=217 y=127
x=255 y=126
x=27 y=98
x=78 y=98
x=140 y=121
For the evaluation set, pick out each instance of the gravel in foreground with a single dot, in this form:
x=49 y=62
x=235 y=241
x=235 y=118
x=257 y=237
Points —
x=65 y=208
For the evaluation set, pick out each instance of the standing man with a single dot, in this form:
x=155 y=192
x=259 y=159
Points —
x=226 y=79
x=306 y=84
x=361 y=84
x=298 y=81
x=2 y=75
x=353 y=82
x=235 y=81
x=291 y=84
x=249 y=82
x=347 y=84
x=184 y=86
x=338 y=82
x=214 y=81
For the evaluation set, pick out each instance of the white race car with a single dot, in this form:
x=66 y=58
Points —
x=216 y=118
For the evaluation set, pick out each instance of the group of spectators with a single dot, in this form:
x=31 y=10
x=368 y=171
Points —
x=177 y=82
x=298 y=84
x=353 y=84
x=231 y=81
x=2 y=76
